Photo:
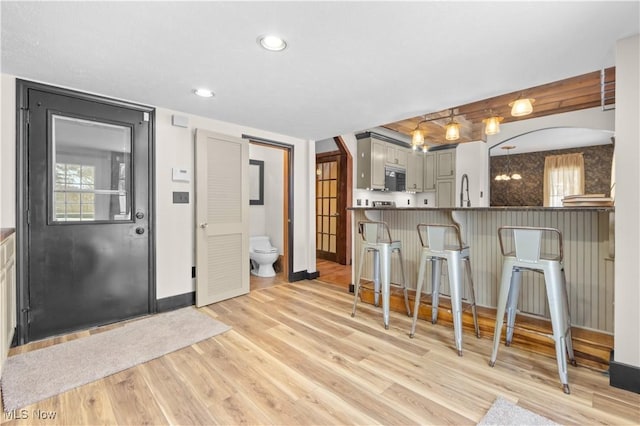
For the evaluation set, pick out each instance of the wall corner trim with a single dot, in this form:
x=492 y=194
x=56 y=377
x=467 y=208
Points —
x=303 y=275
x=624 y=376
x=175 y=302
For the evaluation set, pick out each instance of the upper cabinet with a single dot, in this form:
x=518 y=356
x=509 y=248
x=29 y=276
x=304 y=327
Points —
x=446 y=164
x=396 y=155
x=429 y=183
x=415 y=171
x=371 y=159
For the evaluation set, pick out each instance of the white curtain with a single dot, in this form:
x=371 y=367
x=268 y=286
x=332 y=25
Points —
x=563 y=175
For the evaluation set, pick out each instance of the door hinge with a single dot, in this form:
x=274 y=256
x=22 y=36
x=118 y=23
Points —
x=27 y=312
x=27 y=115
x=28 y=217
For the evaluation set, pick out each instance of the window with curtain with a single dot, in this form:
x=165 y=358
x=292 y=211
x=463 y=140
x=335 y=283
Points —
x=563 y=175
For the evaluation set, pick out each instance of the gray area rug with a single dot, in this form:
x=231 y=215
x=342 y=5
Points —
x=503 y=412
x=40 y=374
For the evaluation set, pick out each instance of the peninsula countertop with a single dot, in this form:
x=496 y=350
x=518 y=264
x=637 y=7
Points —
x=588 y=233
x=493 y=208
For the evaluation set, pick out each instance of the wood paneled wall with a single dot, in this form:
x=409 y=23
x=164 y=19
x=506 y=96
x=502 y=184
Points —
x=588 y=265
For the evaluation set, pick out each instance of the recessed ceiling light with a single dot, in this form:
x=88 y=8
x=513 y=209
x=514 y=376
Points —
x=271 y=42
x=205 y=93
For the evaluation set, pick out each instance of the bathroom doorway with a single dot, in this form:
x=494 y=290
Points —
x=270 y=213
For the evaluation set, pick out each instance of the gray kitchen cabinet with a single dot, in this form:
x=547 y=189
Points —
x=446 y=164
x=371 y=159
x=396 y=155
x=446 y=178
x=445 y=193
x=415 y=171
x=429 y=182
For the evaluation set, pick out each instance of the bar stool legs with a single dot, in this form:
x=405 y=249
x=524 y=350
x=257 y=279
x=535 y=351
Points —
x=423 y=266
x=558 y=306
x=456 y=279
x=382 y=271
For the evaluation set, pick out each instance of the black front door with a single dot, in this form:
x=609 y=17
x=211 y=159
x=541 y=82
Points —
x=87 y=212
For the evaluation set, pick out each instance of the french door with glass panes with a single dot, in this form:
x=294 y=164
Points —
x=328 y=207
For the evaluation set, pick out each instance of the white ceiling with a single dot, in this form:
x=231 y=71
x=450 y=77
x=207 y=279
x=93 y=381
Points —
x=349 y=65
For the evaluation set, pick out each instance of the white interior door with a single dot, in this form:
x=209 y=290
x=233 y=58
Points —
x=222 y=217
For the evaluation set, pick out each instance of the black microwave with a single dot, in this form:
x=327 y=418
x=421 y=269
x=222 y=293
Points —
x=395 y=178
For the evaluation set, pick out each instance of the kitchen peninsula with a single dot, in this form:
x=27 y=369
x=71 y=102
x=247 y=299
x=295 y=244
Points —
x=588 y=254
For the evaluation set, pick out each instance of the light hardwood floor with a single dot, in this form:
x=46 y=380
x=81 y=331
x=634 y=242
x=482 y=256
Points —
x=334 y=273
x=295 y=356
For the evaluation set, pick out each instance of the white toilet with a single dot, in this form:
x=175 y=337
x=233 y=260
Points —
x=262 y=256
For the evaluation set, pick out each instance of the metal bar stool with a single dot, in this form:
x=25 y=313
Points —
x=376 y=238
x=436 y=250
x=528 y=257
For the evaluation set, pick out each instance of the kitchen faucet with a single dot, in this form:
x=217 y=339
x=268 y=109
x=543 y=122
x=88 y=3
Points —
x=465 y=178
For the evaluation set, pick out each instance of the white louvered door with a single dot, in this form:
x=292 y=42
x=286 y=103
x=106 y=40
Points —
x=222 y=217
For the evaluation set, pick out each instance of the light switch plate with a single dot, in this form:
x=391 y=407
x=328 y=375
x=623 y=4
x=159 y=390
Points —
x=181 y=175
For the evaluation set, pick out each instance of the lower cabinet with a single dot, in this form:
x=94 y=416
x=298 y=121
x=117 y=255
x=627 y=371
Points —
x=445 y=193
x=7 y=296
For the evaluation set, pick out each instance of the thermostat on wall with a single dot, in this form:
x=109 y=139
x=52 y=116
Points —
x=181 y=175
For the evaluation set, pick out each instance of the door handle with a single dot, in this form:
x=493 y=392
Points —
x=203 y=225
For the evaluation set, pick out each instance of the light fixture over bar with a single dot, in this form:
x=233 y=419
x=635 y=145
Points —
x=521 y=107
x=492 y=124
x=452 y=129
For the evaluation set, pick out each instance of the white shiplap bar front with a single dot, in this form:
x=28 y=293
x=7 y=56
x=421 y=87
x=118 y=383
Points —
x=587 y=250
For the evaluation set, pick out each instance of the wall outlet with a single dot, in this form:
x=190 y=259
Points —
x=358 y=202
x=409 y=201
x=426 y=201
x=366 y=202
x=180 y=198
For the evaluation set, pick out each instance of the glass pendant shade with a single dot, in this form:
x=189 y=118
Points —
x=453 y=131
x=522 y=107
x=492 y=125
x=417 y=138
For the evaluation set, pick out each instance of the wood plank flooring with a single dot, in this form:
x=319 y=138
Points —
x=334 y=273
x=295 y=356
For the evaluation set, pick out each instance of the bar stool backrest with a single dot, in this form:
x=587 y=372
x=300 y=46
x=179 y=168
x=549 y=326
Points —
x=438 y=236
x=374 y=232
x=528 y=243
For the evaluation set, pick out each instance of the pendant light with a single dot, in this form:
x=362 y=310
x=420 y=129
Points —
x=522 y=106
x=508 y=175
x=417 y=138
x=492 y=124
x=452 y=132
x=417 y=135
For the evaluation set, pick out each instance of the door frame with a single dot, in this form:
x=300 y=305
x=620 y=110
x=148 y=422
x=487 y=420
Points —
x=345 y=190
x=22 y=220
x=288 y=197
